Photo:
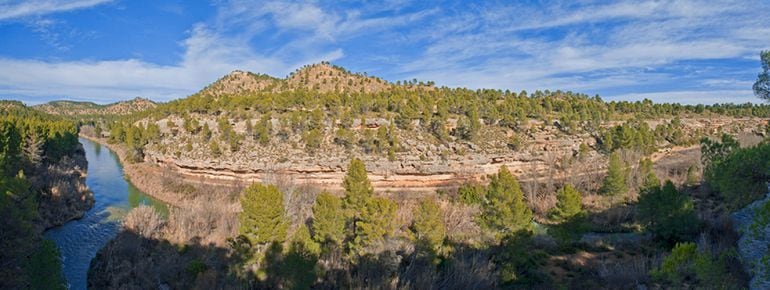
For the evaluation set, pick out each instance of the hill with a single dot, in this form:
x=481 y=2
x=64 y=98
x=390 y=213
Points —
x=413 y=135
x=479 y=166
x=322 y=77
x=74 y=108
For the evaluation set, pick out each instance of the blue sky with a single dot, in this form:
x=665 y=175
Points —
x=110 y=50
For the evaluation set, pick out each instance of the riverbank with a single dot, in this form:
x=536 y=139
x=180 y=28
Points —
x=162 y=183
x=64 y=195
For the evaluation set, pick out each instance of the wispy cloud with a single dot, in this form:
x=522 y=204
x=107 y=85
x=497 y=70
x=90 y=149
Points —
x=19 y=9
x=212 y=49
x=594 y=48
x=663 y=50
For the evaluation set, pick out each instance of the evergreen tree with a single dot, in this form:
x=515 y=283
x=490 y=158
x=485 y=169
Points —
x=668 y=214
x=328 y=219
x=263 y=219
x=206 y=132
x=607 y=142
x=263 y=129
x=299 y=266
x=10 y=149
x=649 y=179
x=569 y=203
x=428 y=225
x=762 y=85
x=375 y=222
x=506 y=211
x=358 y=191
x=615 y=182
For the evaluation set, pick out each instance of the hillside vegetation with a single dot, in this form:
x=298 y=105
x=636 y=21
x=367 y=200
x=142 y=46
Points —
x=73 y=108
x=548 y=189
x=42 y=184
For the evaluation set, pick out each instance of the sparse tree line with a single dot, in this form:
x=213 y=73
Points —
x=316 y=130
x=446 y=114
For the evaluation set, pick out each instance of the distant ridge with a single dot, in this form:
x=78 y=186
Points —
x=322 y=77
x=75 y=108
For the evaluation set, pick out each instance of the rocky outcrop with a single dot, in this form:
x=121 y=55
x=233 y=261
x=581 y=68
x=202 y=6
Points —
x=420 y=165
x=752 y=223
x=64 y=193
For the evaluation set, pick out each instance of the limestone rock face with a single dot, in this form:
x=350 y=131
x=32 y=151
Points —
x=420 y=164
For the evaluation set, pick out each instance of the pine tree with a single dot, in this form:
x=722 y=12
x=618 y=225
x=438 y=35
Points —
x=669 y=214
x=328 y=219
x=506 y=211
x=299 y=266
x=10 y=149
x=649 y=179
x=263 y=219
x=428 y=225
x=358 y=190
x=376 y=221
x=615 y=182
x=607 y=143
x=206 y=132
x=569 y=203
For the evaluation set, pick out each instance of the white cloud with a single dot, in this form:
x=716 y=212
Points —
x=692 y=97
x=593 y=48
x=211 y=50
x=19 y=9
x=598 y=47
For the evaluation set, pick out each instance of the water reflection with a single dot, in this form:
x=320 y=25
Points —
x=79 y=240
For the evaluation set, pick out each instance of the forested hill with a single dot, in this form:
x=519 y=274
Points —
x=73 y=108
x=323 y=77
x=324 y=105
x=42 y=184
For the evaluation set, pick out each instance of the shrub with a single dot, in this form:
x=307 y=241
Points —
x=472 y=194
x=668 y=214
x=569 y=203
x=195 y=267
x=678 y=266
x=145 y=221
x=739 y=176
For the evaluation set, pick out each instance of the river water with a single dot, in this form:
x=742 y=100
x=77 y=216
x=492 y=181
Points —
x=79 y=240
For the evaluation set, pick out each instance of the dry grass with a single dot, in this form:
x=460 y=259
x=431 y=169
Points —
x=145 y=221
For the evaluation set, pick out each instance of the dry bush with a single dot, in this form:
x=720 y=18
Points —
x=459 y=220
x=469 y=269
x=299 y=203
x=146 y=221
x=207 y=219
x=613 y=217
x=542 y=204
x=628 y=273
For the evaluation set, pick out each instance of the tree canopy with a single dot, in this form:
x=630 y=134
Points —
x=762 y=85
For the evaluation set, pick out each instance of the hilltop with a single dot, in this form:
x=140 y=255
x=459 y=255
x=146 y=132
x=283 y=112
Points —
x=74 y=108
x=322 y=77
